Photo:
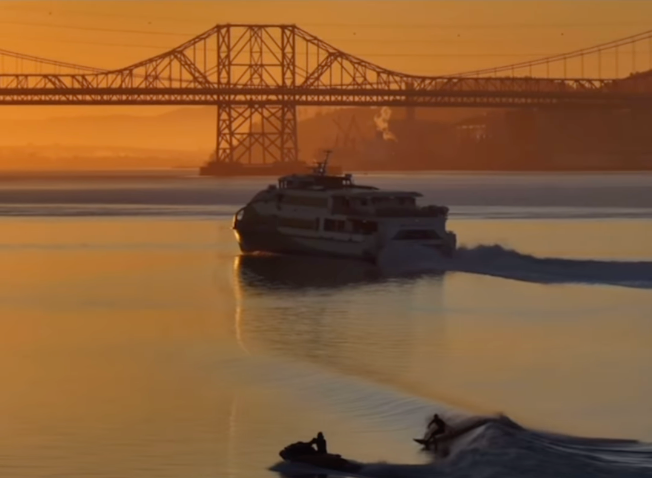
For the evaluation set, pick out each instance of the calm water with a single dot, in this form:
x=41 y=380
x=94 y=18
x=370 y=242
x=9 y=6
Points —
x=135 y=341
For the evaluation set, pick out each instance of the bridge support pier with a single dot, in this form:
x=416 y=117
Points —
x=256 y=134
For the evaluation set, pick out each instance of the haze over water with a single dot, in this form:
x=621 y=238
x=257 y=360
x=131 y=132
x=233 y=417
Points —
x=135 y=341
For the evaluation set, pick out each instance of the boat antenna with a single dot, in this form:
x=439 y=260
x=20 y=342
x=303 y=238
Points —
x=322 y=166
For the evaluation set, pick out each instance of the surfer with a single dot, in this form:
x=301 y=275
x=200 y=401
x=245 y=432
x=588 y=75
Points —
x=441 y=429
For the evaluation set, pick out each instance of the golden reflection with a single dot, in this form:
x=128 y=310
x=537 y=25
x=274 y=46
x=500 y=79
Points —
x=310 y=308
x=231 y=467
x=237 y=294
x=120 y=360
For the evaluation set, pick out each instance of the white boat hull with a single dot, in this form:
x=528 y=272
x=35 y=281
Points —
x=278 y=242
x=330 y=216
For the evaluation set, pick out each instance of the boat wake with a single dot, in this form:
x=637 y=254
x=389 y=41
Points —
x=498 y=261
x=502 y=448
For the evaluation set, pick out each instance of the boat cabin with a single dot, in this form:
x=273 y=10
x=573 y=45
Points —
x=374 y=202
x=314 y=181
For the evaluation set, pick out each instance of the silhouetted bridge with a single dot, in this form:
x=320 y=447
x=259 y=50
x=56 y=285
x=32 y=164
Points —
x=259 y=74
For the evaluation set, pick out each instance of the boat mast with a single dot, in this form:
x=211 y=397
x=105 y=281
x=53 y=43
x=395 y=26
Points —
x=322 y=166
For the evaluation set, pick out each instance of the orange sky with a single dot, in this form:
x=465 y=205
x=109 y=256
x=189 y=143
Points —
x=422 y=37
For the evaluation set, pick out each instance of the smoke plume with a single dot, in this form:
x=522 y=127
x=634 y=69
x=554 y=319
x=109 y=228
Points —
x=382 y=123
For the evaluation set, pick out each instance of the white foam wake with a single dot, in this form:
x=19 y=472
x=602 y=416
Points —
x=498 y=261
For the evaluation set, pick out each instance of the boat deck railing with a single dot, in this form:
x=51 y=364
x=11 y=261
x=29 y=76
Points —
x=426 y=211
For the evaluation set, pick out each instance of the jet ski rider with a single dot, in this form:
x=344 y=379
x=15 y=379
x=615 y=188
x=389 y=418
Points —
x=306 y=448
x=320 y=442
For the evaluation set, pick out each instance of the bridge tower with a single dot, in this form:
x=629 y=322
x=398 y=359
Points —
x=256 y=57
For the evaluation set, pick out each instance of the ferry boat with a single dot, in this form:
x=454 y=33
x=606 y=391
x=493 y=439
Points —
x=329 y=215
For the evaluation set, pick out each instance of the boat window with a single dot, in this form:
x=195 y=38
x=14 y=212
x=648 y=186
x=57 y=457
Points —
x=307 y=201
x=334 y=225
x=341 y=205
x=416 y=234
x=382 y=200
x=297 y=223
x=364 y=227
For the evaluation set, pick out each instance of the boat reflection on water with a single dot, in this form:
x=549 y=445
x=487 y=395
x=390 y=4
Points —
x=341 y=314
x=274 y=272
x=287 y=272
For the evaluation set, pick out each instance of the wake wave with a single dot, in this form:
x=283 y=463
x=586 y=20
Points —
x=499 y=447
x=487 y=446
x=509 y=449
x=498 y=261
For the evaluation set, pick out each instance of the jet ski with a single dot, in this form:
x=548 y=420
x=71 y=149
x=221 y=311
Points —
x=301 y=452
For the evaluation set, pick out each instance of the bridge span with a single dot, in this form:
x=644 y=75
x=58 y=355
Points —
x=260 y=74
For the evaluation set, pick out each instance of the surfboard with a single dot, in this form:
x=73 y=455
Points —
x=458 y=431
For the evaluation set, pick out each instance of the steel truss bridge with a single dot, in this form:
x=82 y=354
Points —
x=257 y=76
